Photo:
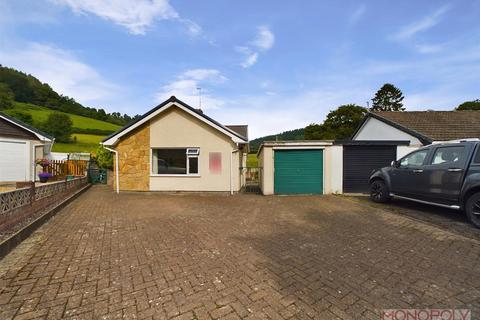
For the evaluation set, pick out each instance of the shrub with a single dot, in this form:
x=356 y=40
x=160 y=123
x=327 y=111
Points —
x=104 y=158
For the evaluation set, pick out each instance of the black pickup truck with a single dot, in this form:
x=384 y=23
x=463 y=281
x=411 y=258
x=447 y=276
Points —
x=446 y=175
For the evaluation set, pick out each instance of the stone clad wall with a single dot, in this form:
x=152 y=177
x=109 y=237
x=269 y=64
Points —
x=134 y=154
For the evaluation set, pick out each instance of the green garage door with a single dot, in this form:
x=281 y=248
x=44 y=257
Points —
x=298 y=172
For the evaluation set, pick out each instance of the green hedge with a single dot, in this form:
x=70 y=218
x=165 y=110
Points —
x=99 y=132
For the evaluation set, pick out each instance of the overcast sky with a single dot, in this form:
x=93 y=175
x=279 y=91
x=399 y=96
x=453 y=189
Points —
x=274 y=65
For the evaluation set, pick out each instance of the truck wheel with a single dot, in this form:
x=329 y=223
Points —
x=472 y=209
x=379 y=191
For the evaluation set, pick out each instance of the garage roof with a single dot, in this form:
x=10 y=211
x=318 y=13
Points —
x=431 y=126
x=23 y=126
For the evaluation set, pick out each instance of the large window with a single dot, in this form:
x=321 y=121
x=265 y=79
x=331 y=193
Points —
x=449 y=155
x=175 y=161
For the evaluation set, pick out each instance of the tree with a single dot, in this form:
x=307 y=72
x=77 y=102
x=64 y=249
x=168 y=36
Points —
x=469 y=105
x=6 y=97
x=388 y=98
x=22 y=116
x=339 y=124
x=59 y=125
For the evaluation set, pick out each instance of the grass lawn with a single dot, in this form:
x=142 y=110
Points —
x=252 y=160
x=84 y=143
x=40 y=114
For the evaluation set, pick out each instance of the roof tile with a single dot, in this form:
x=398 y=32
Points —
x=437 y=125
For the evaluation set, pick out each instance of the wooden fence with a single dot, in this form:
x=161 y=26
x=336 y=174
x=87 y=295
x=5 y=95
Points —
x=62 y=168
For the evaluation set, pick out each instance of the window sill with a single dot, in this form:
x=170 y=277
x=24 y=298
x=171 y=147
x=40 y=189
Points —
x=176 y=175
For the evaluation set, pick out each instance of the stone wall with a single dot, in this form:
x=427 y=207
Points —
x=134 y=165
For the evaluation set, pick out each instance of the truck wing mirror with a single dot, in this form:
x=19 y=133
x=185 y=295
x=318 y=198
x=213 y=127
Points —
x=394 y=164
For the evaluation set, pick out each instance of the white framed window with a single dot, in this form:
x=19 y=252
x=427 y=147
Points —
x=175 y=161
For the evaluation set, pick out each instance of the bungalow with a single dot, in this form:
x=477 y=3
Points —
x=20 y=146
x=292 y=167
x=175 y=147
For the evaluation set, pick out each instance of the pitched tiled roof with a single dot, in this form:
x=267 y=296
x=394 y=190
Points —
x=436 y=125
x=173 y=99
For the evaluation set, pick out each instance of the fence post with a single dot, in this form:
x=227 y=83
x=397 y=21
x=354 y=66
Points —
x=32 y=192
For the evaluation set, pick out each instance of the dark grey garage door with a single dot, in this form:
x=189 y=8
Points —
x=359 y=161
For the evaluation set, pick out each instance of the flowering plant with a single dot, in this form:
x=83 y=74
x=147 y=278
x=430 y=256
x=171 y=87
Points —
x=43 y=162
x=45 y=175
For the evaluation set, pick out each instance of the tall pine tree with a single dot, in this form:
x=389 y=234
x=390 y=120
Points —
x=388 y=98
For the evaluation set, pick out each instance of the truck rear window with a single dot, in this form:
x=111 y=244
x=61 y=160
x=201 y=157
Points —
x=477 y=156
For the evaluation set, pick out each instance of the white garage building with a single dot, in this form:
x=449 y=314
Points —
x=322 y=167
x=20 y=146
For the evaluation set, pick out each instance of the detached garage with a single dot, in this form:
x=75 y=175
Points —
x=323 y=167
x=300 y=167
x=298 y=171
x=20 y=146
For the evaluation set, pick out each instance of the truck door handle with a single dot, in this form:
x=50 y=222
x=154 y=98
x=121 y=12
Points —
x=454 y=169
x=417 y=170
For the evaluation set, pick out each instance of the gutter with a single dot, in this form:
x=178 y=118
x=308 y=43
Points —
x=117 y=179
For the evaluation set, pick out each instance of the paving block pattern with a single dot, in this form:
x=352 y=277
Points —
x=160 y=256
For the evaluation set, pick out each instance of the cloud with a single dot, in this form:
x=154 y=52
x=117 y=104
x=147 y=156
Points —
x=250 y=57
x=135 y=15
x=264 y=41
x=357 y=14
x=423 y=24
x=186 y=85
x=202 y=74
x=429 y=48
x=64 y=72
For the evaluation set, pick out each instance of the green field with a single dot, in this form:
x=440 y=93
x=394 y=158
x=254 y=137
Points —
x=83 y=143
x=40 y=114
x=252 y=160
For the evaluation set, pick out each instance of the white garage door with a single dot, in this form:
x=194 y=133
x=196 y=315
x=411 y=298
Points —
x=13 y=161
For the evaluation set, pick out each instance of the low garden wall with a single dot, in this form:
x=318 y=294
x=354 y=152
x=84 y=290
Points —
x=21 y=204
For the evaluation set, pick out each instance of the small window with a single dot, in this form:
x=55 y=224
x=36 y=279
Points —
x=175 y=161
x=449 y=155
x=477 y=156
x=193 y=151
x=414 y=159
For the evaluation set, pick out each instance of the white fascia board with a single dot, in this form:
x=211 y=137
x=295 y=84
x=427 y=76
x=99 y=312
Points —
x=360 y=129
x=113 y=140
x=298 y=144
x=38 y=135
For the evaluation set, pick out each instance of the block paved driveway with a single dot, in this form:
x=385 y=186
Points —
x=160 y=256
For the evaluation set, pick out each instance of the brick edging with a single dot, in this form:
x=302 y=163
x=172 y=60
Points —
x=11 y=242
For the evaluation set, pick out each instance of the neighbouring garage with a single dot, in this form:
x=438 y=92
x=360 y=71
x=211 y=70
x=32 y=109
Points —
x=360 y=161
x=20 y=146
x=298 y=171
x=361 y=157
x=14 y=161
